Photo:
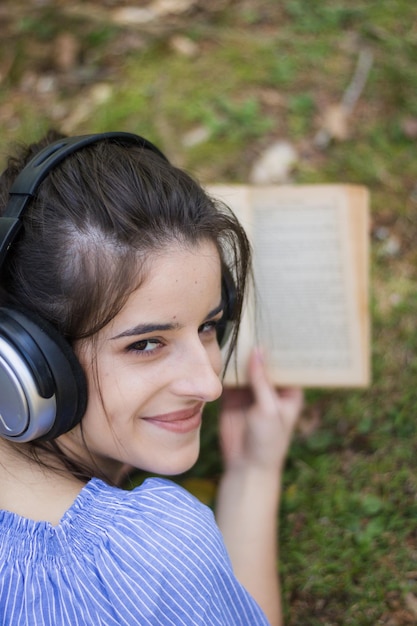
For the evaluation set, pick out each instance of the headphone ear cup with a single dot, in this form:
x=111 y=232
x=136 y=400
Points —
x=229 y=299
x=43 y=390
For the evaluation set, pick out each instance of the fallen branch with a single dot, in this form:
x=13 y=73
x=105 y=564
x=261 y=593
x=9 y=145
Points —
x=336 y=117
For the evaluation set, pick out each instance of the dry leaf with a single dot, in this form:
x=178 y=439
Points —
x=184 y=45
x=66 y=50
x=335 y=122
x=275 y=164
x=133 y=15
x=171 y=7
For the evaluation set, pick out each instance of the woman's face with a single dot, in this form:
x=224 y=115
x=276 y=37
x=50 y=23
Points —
x=157 y=364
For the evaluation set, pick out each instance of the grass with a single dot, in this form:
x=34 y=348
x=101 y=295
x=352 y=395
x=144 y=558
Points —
x=265 y=70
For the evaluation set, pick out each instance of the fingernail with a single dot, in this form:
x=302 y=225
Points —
x=259 y=354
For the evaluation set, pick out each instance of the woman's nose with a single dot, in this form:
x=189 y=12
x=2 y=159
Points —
x=198 y=373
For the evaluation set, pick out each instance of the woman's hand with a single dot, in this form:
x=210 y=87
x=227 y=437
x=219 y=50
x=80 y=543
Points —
x=257 y=423
x=256 y=426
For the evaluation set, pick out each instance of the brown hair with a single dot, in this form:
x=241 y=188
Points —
x=89 y=230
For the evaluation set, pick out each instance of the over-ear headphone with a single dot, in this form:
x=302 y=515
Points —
x=43 y=390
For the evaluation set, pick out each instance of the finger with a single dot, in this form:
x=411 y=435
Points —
x=287 y=401
x=264 y=393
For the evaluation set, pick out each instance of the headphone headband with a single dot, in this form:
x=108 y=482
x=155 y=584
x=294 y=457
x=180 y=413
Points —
x=27 y=182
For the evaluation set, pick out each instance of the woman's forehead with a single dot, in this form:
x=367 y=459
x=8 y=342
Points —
x=176 y=280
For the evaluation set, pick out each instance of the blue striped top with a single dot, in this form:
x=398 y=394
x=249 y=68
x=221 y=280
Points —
x=150 y=556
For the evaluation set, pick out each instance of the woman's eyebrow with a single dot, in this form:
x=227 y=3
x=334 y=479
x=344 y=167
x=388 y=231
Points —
x=143 y=329
x=215 y=311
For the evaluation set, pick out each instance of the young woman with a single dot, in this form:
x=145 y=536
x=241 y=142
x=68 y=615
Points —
x=118 y=278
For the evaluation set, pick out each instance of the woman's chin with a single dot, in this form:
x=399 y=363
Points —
x=177 y=466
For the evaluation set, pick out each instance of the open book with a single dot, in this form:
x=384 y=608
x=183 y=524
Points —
x=309 y=307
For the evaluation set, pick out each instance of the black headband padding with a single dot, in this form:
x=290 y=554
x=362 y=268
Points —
x=38 y=168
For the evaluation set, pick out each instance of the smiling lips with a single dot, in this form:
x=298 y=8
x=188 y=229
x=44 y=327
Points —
x=179 y=421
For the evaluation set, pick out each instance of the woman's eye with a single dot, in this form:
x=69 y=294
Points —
x=208 y=327
x=145 y=346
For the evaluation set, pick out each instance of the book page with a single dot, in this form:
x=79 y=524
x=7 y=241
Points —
x=310 y=307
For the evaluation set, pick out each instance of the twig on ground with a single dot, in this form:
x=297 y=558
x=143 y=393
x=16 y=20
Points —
x=335 y=119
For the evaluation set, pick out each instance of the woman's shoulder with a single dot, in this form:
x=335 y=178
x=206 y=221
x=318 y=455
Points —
x=156 y=524
x=158 y=512
x=158 y=508
x=158 y=498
